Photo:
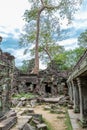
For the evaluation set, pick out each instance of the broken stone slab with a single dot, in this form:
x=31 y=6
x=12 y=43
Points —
x=3 y=118
x=14 y=102
x=33 y=103
x=21 y=112
x=47 y=108
x=37 y=117
x=10 y=113
x=28 y=106
x=52 y=100
x=35 y=121
x=41 y=126
x=20 y=104
x=22 y=120
x=25 y=111
x=28 y=127
x=8 y=123
x=23 y=99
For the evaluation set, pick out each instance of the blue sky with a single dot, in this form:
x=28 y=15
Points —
x=11 y=24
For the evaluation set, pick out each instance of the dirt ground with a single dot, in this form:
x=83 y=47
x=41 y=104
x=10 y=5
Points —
x=57 y=121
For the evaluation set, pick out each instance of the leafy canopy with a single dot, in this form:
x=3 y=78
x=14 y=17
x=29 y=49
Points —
x=48 y=13
x=82 y=39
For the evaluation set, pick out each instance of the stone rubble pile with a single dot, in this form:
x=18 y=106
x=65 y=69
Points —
x=22 y=118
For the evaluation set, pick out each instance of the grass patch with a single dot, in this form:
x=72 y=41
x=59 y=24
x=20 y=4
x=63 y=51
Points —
x=49 y=126
x=68 y=122
x=25 y=95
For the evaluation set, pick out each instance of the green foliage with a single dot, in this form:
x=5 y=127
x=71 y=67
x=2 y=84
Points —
x=67 y=59
x=31 y=65
x=31 y=14
x=24 y=67
x=27 y=65
x=82 y=39
x=67 y=122
x=27 y=95
x=73 y=56
x=48 y=20
x=49 y=126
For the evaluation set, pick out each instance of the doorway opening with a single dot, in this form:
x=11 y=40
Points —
x=47 y=89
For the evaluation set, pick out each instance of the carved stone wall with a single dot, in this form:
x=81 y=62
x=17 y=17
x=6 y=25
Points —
x=78 y=82
x=6 y=79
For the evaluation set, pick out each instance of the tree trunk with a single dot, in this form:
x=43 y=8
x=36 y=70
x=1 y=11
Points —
x=36 y=67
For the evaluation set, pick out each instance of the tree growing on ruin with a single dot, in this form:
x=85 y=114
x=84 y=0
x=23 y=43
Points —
x=42 y=11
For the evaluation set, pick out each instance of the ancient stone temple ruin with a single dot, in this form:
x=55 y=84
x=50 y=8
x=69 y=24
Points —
x=77 y=85
x=45 y=83
x=27 y=82
x=51 y=83
x=6 y=79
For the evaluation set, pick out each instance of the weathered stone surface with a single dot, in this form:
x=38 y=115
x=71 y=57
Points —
x=23 y=99
x=2 y=118
x=52 y=100
x=22 y=120
x=6 y=78
x=47 y=108
x=20 y=104
x=35 y=121
x=28 y=127
x=10 y=113
x=41 y=126
x=77 y=84
x=8 y=123
x=14 y=102
x=33 y=103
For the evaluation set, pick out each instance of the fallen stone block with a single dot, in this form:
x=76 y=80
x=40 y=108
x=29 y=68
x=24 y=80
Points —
x=28 y=127
x=30 y=110
x=47 y=108
x=8 y=123
x=35 y=121
x=2 y=118
x=22 y=120
x=41 y=126
x=10 y=113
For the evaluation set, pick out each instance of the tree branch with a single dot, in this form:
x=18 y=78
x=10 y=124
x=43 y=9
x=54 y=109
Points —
x=46 y=50
x=42 y=2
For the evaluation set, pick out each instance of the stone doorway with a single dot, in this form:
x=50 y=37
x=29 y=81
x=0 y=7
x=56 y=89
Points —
x=47 y=88
x=28 y=84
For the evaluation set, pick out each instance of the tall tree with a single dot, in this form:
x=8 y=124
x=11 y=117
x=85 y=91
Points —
x=52 y=10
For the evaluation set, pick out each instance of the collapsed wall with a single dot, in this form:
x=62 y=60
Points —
x=6 y=80
x=46 y=83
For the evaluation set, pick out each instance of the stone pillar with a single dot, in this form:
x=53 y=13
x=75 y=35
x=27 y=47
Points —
x=70 y=91
x=82 y=83
x=76 y=96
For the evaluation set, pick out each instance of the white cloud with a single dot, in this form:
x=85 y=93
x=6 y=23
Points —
x=80 y=21
x=11 y=12
x=19 y=55
x=69 y=43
